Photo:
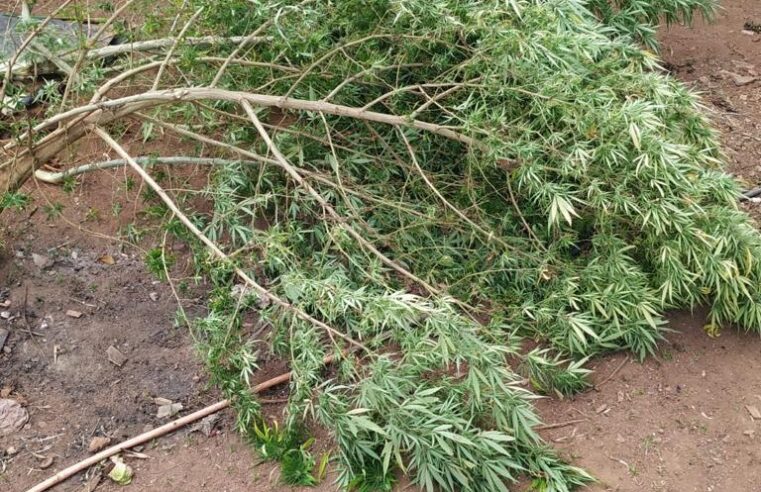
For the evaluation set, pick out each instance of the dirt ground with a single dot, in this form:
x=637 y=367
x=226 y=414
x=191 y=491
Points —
x=677 y=422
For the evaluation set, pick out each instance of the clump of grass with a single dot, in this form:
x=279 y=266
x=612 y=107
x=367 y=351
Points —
x=158 y=261
x=289 y=448
x=53 y=210
x=14 y=200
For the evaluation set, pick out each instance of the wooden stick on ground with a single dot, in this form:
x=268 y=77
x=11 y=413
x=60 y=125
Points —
x=153 y=434
x=612 y=374
x=559 y=424
x=142 y=438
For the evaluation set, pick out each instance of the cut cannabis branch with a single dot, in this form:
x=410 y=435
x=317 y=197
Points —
x=419 y=164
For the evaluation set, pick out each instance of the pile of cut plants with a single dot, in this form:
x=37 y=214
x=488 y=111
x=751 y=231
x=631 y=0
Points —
x=434 y=210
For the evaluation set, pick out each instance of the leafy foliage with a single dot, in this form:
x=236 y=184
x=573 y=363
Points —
x=639 y=18
x=287 y=447
x=592 y=201
x=157 y=260
x=548 y=182
x=16 y=200
x=551 y=374
x=296 y=467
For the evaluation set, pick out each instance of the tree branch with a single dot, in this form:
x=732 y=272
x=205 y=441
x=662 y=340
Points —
x=332 y=332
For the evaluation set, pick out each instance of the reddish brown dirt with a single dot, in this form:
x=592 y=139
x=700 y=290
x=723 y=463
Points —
x=676 y=422
x=709 y=57
x=63 y=375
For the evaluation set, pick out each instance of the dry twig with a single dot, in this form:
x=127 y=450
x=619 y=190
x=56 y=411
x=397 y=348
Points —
x=155 y=433
x=332 y=332
x=57 y=177
x=612 y=374
x=559 y=424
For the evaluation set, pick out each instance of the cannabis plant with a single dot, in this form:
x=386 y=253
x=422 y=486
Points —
x=568 y=191
x=415 y=188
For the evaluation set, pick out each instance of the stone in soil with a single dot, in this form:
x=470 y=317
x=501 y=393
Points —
x=97 y=443
x=46 y=463
x=41 y=261
x=115 y=357
x=13 y=417
x=168 y=410
x=206 y=426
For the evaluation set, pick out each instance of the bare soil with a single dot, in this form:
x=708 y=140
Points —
x=677 y=422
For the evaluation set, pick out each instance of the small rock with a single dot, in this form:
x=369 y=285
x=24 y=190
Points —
x=601 y=408
x=5 y=314
x=743 y=65
x=115 y=357
x=154 y=296
x=162 y=401
x=73 y=314
x=206 y=426
x=97 y=443
x=754 y=412
x=7 y=350
x=106 y=260
x=19 y=254
x=749 y=433
x=6 y=303
x=168 y=410
x=46 y=463
x=239 y=290
x=264 y=301
x=12 y=451
x=741 y=80
x=13 y=417
x=748 y=33
x=41 y=261
x=3 y=337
